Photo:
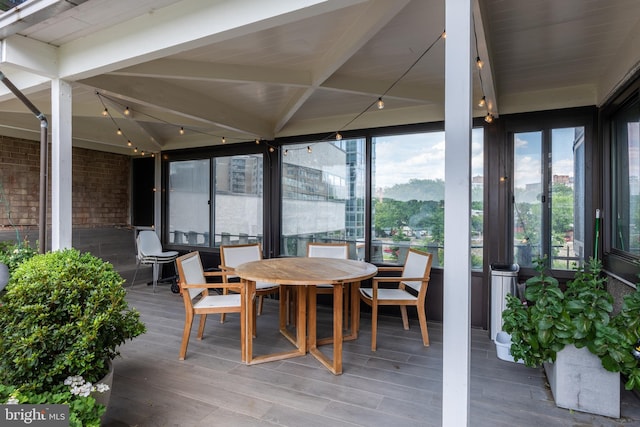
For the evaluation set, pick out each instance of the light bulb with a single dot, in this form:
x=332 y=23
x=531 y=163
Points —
x=488 y=118
x=135 y=150
x=224 y=140
x=479 y=62
x=129 y=143
x=181 y=130
x=119 y=131
x=443 y=35
x=271 y=149
x=482 y=102
x=126 y=111
x=380 y=104
x=105 y=112
x=309 y=149
x=286 y=152
x=257 y=141
x=338 y=136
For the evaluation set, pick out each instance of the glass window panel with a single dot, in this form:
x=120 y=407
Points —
x=323 y=195
x=527 y=197
x=189 y=202
x=408 y=196
x=238 y=201
x=626 y=183
x=567 y=198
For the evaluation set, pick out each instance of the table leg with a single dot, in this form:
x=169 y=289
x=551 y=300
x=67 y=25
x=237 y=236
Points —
x=355 y=311
x=335 y=365
x=249 y=307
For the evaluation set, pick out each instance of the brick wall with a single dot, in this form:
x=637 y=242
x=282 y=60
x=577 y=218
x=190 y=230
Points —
x=100 y=186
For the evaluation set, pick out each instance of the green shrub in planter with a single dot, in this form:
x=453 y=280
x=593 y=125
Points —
x=581 y=316
x=64 y=313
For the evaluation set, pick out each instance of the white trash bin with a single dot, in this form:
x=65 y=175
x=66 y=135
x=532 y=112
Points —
x=504 y=279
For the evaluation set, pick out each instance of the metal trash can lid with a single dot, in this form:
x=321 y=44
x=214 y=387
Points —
x=512 y=268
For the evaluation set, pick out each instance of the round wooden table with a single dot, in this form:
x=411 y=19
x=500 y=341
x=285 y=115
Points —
x=305 y=274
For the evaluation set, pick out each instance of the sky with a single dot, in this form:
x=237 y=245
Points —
x=400 y=158
x=528 y=155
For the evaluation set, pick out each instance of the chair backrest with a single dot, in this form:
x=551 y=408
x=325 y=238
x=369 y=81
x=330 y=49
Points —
x=191 y=272
x=234 y=255
x=417 y=264
x=148 y=243
x=328 y=250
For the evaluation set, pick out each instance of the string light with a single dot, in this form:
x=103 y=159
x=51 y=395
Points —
x=380 y=103
x=135 y=150
x=286 y=152
x=338 y=136
x=488 y=118
x=224 y=140
x=129 y=143
x=105 y=112
x=443 y=35
x=126 y=111
x=308 y=149
x=257 y=141
x=271 y=149
x=483 y=101
x=119 y=131
x=181 y=131
x=479 y=62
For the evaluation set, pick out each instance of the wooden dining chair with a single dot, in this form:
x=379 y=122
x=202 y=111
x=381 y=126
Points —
x=232 y=256
x=331 y=250
x=411 y=291
x=197 y=300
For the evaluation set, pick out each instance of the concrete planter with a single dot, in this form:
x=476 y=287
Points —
x=579 y=382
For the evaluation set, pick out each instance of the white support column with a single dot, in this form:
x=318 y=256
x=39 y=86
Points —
x=157 y=197
x=457 y=196
x=61 y=222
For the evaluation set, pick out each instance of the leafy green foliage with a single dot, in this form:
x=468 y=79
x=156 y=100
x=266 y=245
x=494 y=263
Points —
x=14 y=254
x=63 y=313
x=84 y=411
x=580 y=316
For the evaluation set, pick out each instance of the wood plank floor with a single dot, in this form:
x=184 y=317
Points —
x=398 y=385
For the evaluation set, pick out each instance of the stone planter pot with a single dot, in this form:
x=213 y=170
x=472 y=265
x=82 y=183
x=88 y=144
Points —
x=579 y=382
x=104 y=397
x=4 y=275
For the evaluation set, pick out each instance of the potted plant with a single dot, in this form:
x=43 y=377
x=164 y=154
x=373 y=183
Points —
x=12 y=255
x=63 y=316
x=577 y=324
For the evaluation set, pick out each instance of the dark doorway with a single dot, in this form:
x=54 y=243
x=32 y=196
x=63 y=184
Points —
x=142 y=193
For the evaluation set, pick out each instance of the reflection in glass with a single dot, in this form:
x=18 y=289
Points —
x=408 y=197
x=323 y=196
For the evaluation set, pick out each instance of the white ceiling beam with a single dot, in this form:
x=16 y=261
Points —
x=214 y=72
x=187 y=24
x=194 y=105
x=374 y=88
x=30 y=55
x=488 y=84
x=25 y=81
x=374 y=17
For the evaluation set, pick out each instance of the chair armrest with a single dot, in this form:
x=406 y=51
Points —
x=214 y=273
x=226 y=268
x=390 y=268
x=211 y=285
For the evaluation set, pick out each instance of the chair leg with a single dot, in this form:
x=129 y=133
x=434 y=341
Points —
x=422 y=317
x=135 y=274
x=203 y=320
x=185 y=336
x=374 y=324
x=156 y=270
x=405 y=318
x=260 y=303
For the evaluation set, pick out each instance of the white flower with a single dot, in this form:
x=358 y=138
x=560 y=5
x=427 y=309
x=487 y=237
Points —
x=101 y=388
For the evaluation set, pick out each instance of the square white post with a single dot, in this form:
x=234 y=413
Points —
x=457 y=203
x=61 y=181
